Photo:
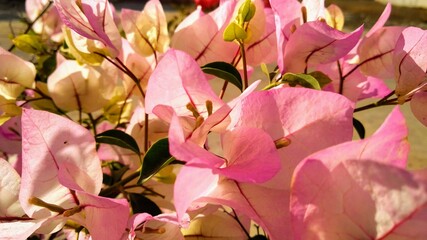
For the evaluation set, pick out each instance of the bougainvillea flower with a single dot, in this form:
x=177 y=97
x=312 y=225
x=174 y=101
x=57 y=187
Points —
x=287 y=14
x=410 y=64
x=284 y=115
x=15 y=75
x=146 y=30
x=218 y=225
x=140 y=66
x=14 y=225
x=10 y=136
x=418 y=106
x=322 y=44
x=61 y=168
x=209 y=46
x=145 y=226
x=258 y=164
x=93 y=20
x=356 y=86
x=178 y=81
x=264 y=49
x=49 y=24
x=362 y=195
x=80 y=87
x=376 y=52
x=9 y=191
x=410 y=61
x=8 y=109
x=82 y=48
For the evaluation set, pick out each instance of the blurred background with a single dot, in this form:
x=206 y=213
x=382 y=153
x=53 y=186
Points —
x=357 y=12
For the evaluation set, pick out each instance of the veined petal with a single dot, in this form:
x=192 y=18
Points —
x=57 y=154
x=358 y=199
x=410 y=60
x=322 y=44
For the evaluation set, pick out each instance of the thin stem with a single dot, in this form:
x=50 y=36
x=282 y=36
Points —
x=132 y=76
x=377 y=104
x=387 y=96
x=10 y=219
x=235 y=61
x=224 y=87
x=122 y=67
x=234 y=215
x=93 y=122
x=30 y=25
x=382 y=102
x=146 y=133
x=245 y=70
x=152 y=191
x=111 y=189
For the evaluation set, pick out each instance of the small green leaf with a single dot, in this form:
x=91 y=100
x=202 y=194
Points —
x=142 y=204
x=29 y=43
x=246 y=11
x=321 y=78
x=156 y=158
x=360 y=129
x=234 y=32
x=118 y=138
x=264 y=69
x=301 y=79
x=224 y=71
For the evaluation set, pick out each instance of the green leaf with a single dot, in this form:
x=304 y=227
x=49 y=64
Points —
x=118 y=138
x=29 y=43
x=321 y=78
x=360 y=129
x=234 y=32
x=224 y=71
x=142 y=204
x=301 y=79
x=246 y=11
x=156 y=158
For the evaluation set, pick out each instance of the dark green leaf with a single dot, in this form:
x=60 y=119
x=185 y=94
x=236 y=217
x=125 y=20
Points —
x=225 y=71
x=142 y=204
x=118 y=138
x=301 y=79
x=156 y=158
x=107 y=179
x=321 y=78
x=360 y=129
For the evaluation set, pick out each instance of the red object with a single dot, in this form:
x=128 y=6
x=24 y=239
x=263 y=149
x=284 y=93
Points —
x=207 y=4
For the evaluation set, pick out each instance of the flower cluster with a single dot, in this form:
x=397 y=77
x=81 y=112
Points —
x=122 y=126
